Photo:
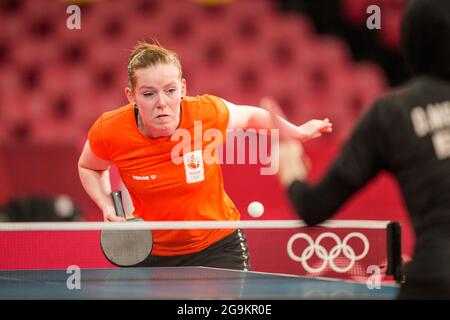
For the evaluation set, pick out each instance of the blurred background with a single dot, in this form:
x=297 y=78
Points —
x=316 y=57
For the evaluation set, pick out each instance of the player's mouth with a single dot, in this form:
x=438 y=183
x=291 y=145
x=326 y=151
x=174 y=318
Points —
x=162 y=118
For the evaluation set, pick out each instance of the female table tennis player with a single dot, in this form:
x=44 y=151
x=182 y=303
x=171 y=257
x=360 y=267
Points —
x=138 y=139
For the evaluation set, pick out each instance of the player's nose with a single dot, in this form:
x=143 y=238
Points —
x=160 y=101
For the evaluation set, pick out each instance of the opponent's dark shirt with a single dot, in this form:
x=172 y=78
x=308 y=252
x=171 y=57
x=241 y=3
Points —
x=408 y=134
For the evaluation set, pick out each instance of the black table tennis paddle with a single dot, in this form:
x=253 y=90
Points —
x=125 y=248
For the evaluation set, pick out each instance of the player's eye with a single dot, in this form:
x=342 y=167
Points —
x=148 y=94
x=172 y=90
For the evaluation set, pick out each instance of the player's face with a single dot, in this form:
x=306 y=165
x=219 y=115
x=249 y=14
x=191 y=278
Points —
x=158 y=93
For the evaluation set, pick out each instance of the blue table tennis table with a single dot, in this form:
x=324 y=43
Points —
x=180 y=283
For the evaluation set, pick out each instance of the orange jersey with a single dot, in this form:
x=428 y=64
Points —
x=162 y=190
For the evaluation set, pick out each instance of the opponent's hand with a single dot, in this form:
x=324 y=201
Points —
x=294 y=164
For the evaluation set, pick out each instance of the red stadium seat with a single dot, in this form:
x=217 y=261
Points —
x=61 y=79
x=29 y=52
x=355 y=11
x=13 y=27
x=298 y=27
x=370 y=82
x=390 y=32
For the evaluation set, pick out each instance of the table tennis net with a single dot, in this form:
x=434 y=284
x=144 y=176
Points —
x=353 y=250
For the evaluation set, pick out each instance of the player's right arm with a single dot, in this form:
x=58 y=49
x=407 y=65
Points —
x=94 y=176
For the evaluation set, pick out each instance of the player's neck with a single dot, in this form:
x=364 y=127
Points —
x=155 y=133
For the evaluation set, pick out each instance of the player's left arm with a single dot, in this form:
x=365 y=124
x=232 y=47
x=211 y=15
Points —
x=250 y=117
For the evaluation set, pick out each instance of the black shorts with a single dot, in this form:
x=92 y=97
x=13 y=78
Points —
x=428 y=273
x=230 y=252
x=428 y=291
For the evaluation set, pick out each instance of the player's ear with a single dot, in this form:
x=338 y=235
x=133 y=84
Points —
x=130 y=96
x=183 y=88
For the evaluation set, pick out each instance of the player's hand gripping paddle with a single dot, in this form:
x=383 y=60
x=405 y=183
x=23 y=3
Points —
x=125 y=248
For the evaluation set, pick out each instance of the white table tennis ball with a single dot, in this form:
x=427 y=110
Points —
x=255 y=209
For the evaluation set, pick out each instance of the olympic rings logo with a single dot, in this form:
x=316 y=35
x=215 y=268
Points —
x=328 y=258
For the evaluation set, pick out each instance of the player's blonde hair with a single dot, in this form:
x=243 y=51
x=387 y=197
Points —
x=146 y=55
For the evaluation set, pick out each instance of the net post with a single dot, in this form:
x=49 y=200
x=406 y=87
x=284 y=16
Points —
x=394 y=251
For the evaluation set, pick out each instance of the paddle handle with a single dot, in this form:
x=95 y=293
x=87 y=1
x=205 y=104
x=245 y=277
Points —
x=118 y=205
